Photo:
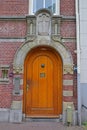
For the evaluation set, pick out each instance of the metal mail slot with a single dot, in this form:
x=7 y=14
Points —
x=42 y=75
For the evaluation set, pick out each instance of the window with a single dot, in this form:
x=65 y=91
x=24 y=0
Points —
x=4 y=71
x=52 y=5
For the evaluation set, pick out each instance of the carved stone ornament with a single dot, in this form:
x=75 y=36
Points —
x=55 y=28
x=68 y=69
x=43 y=24
x=17 y=69
x=31 y=28
x=56 y=38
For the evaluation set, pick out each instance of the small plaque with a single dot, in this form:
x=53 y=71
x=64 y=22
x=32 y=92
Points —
x=17 y=85
x=42 y=75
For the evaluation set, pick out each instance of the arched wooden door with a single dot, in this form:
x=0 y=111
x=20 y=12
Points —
x=43 y=83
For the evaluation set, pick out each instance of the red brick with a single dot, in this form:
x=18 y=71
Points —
x=5 y=96
x=67 y=99
x=13 y=7
x=67 y=7
x=69 y=88
x=68 y=29
x=17 y=98
x=72 y=47
x=7 y=52
x=12 y=29
x=68 y=76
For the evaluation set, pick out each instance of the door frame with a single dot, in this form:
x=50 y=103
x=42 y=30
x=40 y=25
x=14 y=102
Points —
x=25 y=63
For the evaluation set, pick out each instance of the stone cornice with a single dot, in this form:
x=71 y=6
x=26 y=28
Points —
x=12 y=40
x=71 y=18
x=12 y=17
x=68 y=18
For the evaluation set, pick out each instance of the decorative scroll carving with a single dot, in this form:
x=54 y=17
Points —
x=68 y=69
x=43 y=24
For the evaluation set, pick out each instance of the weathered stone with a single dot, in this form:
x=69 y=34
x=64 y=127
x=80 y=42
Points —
x=67 y=93
x=4 y=114
x=20 y=56
x=65 y=104
x=68 y=69
x=15 y=116
x=16 y=105
x=67 y=82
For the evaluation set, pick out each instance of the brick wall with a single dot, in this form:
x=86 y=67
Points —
x=9 y=30
x=12 y=29
x=72 y=47
x=67 y=7
x=5 y=96
x=7 y=52
x=20 y=7
x=13 y=7
x=68 y=29
x=17 y=29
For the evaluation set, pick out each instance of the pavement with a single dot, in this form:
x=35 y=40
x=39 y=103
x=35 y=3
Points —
x=37 y=126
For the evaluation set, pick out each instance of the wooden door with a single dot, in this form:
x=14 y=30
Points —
x=43 y=87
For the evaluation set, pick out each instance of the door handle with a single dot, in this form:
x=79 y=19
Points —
x=27 y=87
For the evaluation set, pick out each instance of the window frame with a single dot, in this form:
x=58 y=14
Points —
x=31 y=7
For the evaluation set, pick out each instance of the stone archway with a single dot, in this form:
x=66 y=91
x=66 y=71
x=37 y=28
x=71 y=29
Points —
x=18 y=65
x=66 y=56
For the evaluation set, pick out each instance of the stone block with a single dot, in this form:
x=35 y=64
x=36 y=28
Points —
x=4 y=115
x=21 y=81
x=67 y=93
x=73 y=118
x=67 y=82
x=16 y=105
x=15 y=116
x=65 y=104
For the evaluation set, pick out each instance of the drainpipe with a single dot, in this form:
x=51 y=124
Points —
x=78 y=60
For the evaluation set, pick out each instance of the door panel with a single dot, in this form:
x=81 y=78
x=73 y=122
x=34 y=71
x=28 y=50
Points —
x=44 y=87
